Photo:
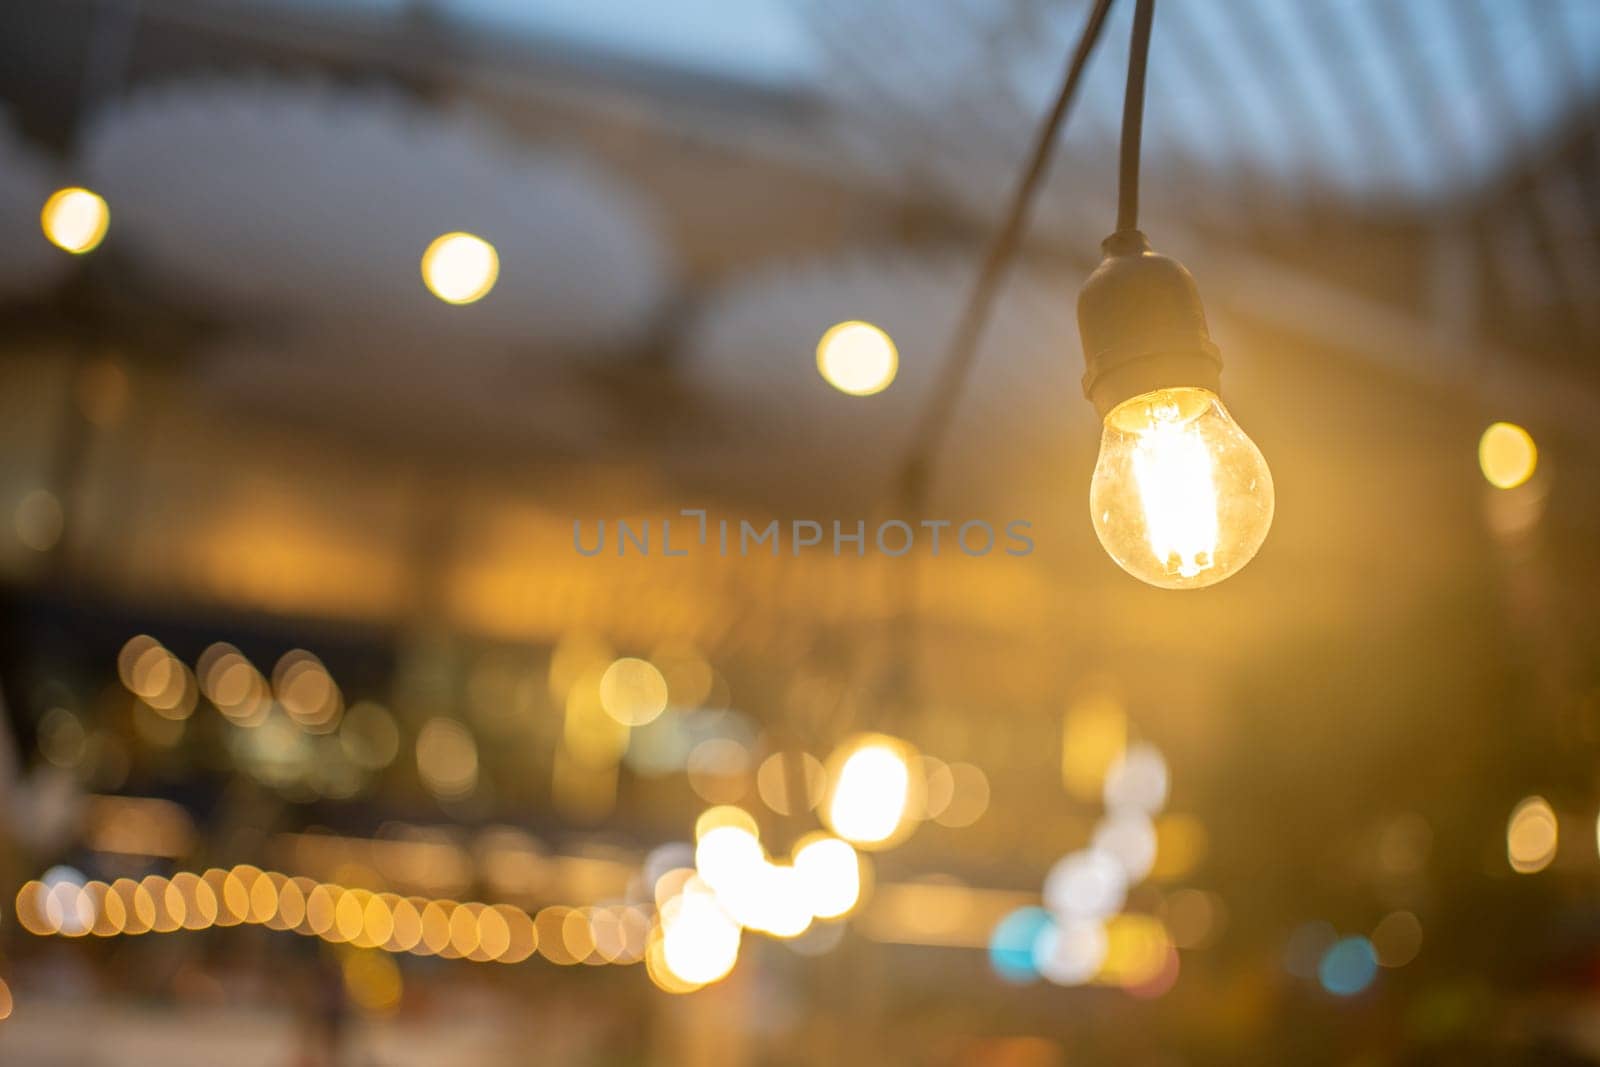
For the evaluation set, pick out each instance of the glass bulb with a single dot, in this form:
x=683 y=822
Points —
x=1181 y=498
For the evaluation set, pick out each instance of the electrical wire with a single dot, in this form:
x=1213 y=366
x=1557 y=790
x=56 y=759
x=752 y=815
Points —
x=998 y=257
x=911 y=489
x=1133 y=117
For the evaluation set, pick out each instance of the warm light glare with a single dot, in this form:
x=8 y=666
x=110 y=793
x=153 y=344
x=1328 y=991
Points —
x=857 y=358
x=830 y=871
x=460 y=268
x=700 y=943
x=770 y=898
x=870 y=793
x=1507 y=455
x=75 y=219
x=727 y=857
x=1181 y=498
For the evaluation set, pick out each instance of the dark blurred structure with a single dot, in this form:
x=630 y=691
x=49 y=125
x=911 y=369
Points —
x=290 y=580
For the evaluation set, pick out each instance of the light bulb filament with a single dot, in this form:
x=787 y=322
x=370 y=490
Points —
x=1172 y=467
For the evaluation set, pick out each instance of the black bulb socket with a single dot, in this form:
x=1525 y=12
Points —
x=1143 y=326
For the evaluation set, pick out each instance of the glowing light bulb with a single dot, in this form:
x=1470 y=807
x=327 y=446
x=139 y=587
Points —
x=1181 y=498
x=460 y=268
x=75 y=219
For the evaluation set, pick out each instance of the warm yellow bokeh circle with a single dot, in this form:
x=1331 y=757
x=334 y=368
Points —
x=857 y=358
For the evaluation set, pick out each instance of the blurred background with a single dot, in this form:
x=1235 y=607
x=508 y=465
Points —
x=324 y=322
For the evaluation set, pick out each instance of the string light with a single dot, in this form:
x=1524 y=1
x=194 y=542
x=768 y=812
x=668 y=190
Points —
x=1181 y=497
x=63 y=905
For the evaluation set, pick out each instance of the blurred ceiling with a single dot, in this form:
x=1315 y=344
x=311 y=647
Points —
x=283 y=203
x=1389 y=204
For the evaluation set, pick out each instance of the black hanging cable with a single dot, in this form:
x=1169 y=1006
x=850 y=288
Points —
x=911 y=490
x=1133 y=117
x=1002 y=250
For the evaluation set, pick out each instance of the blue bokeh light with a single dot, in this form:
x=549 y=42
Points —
x=1011 y=944
x=1348 y=967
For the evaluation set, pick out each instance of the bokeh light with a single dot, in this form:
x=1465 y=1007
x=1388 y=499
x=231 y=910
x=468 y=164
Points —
x=1137 y=780
x=307 y=692
x=830 y=871
x=770 y=898
x=1348 y=967
x=447 y=758
x=1011 y=945
x=728 y=857
x=1194 y=918
x=373 y=982
x=369 y=736
x=872 y=791
x=1397 y=939
x=1088 y=884
x=1531 y=836
x=460 y=268
x=689 y=677
x=785 y=778
x=1129 y=837
x=700 y=943
x=1070 y=952
x=1507 y=455
x=1094 y=736
x=633 y=691
x=1181 y=844
x=969 y=796
x=75 y=219
x=39 y=520
x=719 y=770
x=233 y=685
x=661 y=975
x=1138 y=951
x=857 y=358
